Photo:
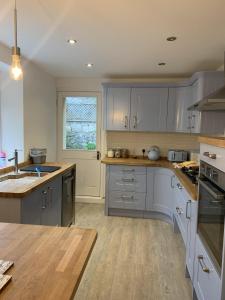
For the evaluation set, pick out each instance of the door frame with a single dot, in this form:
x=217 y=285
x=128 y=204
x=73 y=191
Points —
x=99 y=136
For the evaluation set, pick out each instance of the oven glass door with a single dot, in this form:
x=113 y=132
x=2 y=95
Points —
x=211 y=220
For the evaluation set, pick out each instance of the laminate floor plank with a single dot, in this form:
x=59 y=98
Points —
x=133 y=259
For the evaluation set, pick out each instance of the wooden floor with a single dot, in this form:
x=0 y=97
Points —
x=133 y=259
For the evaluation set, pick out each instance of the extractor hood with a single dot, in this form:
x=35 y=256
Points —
x=214 y=101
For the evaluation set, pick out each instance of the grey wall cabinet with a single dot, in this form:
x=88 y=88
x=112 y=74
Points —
x=148 y=109
x=43 y=206
x=117 y=116
x=160 y=195
x=179 y=118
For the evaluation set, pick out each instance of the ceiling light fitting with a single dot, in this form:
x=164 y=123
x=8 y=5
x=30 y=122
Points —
x=72 y=42
x=89 y=65
x=171 y=38
x=16 y=71
x=161 y=64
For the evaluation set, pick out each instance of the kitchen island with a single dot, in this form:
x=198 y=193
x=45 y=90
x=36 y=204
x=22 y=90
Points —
x=48 y=261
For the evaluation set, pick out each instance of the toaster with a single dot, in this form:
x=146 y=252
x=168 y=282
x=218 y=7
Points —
x=177 y=155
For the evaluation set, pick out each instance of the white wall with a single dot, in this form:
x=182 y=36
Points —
x=12 y=133
x=34 y=111
x=39 y=111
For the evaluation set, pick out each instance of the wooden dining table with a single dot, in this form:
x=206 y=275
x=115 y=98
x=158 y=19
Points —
x=48 y=261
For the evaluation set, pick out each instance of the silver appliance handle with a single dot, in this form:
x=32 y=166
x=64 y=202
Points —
x=217 y=196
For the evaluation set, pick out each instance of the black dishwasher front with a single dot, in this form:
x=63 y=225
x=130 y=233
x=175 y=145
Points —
x=68 y=198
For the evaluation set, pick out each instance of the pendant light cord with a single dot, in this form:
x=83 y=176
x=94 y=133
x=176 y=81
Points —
x=15 y=26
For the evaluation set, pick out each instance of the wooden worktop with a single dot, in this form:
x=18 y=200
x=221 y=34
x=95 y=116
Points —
x=48 y=261
x=163 y=163
x=214 y=141
x=14 y=191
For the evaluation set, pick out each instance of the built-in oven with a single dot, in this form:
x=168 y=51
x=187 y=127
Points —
x=211 y=212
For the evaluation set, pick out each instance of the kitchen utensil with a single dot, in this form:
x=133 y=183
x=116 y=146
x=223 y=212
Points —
x=177 y=155
x=154 y=153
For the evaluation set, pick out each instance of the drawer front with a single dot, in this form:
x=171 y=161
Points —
x=130 y=182
x=127 y=200
x=207 y=284
x=218 y=161
x=124 y=170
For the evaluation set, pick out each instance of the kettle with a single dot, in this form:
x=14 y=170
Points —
x=154 y=153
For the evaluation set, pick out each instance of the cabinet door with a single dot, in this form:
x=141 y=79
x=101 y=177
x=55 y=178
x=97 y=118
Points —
x=148 y=109
x=171 y=121
x=163 y=192
x=183 y=116
x=31 y=207
x=150 y=188
x=191 y=214
x=51 y=203
x=117 y=109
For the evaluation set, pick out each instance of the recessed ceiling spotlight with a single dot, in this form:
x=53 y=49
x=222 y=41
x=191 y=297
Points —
x=72 y=41
x=171 y=38
x=161 y=64
x=89 y=65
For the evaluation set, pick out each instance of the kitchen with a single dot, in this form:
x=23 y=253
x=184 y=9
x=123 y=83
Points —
x=112 y=150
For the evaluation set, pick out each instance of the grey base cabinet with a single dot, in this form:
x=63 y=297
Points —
x=206 y=279
x=43 y=206
x=159 y=191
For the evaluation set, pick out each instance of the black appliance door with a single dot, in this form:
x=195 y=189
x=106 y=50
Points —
x=68 y=201
x=211 y=220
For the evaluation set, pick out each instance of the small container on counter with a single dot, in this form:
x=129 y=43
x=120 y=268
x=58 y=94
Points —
x=124 y=153
x=110 y=153
x=117 y=153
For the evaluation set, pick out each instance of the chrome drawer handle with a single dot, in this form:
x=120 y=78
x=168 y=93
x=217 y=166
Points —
x=128 y=180
x=202 y=264
x=128 y=197
x=129 y=170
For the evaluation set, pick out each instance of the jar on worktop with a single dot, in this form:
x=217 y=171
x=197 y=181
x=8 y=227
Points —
x=110 y=153
x=124 y=153
x=117 y=153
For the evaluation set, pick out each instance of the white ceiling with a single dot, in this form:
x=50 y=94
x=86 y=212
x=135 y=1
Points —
x=121 y=38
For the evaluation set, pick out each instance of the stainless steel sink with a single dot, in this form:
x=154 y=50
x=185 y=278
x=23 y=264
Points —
x=22 y=175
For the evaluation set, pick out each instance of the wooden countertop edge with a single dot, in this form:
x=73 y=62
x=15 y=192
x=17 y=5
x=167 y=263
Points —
x=191 y=188
x=35 y=185
x=214 y=141
x=85 y=264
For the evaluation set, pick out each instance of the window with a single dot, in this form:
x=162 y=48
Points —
x=80 y=123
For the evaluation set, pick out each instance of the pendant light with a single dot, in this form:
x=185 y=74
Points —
x=16 y=69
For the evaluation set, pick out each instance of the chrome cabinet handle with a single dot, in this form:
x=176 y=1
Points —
x=202 y=264
x=171 y=181
x=210 y=155
x=178 y=210
x=135 y=122
x=179 y=186
x=126 y=121
x=188 y=203
x=44 y=199
x=128 y=179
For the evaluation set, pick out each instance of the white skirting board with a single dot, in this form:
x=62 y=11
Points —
x=88 y=199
